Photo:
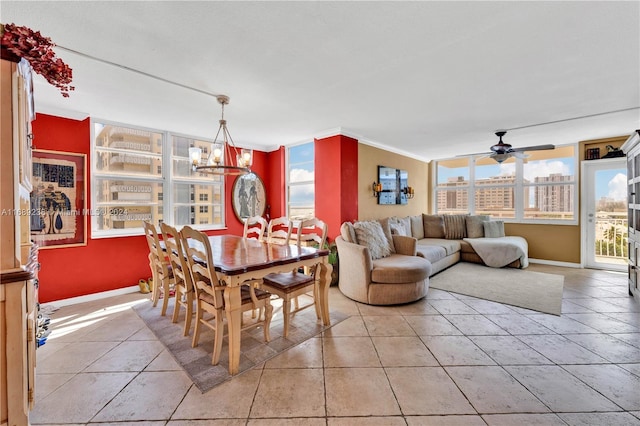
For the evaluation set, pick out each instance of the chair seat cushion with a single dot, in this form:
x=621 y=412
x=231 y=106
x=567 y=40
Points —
x=289 y=281
x=399 y=268
x=245 y=294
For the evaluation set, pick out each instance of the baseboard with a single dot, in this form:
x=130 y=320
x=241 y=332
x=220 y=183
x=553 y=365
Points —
x=93 y=296
x=555 y=263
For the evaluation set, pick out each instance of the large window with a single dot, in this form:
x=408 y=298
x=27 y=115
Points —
x=541 y=187
x=142 y=174
x=301 y=181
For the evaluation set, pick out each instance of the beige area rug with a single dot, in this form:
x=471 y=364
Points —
x=196 y=362
x=538 y=291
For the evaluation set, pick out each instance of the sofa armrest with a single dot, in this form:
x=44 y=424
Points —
x=355 y=269
x=405 y=245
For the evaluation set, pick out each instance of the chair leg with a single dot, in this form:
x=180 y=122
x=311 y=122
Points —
x=176 y=306
x=268 y=312
x=316 y=297
x=196 y=329
x=165 y=301
x=189 y=314
x=286 y=313
x=217 y=340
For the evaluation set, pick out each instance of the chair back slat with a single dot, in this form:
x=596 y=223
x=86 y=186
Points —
x=279 y=231
x=156 y=253
x=177 y=256
x=312 y=232
x=199 y=256
x=254 y=227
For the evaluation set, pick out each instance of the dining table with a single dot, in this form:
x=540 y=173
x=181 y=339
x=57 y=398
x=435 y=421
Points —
x=237 y=260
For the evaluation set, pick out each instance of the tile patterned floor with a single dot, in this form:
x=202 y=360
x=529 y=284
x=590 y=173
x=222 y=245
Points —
x=445 y=360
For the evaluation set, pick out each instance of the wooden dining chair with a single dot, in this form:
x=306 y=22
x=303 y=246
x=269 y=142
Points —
x=279 y=231
x=183 y=285
x=161 y=271
x=254 y=227
x=288 y=286
x=209 y=293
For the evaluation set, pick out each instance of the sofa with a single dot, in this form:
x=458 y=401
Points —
x=389 y=261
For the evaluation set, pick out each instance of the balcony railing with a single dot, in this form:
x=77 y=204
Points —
x=611 y=238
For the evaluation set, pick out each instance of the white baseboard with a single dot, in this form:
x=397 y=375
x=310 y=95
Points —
x=555 y=263
x=94 y=296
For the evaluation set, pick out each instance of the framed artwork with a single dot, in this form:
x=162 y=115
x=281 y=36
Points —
x=248 y=196
x=58 y=215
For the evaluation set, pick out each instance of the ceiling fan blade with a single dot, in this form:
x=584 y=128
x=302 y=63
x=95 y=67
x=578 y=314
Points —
x=533 y=148
x=474 y=154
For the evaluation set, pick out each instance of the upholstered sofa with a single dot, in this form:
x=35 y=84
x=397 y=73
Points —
x=389 y=261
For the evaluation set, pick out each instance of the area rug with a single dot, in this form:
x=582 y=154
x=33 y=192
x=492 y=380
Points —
x=538 y=291
x=196 y=362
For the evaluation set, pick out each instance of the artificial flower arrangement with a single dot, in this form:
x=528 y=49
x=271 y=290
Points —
x=38 y=51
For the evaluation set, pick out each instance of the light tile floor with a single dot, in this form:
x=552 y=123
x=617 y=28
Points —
x=446 y=360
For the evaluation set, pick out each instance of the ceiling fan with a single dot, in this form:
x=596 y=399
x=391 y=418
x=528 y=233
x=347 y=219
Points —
x=503 y=151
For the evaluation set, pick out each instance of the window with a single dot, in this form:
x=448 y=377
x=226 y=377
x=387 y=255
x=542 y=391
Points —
x=301 y=181
x=134 y=168
x=540 y=188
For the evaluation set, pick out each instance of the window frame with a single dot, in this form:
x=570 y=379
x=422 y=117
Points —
x=518 y=187
x=166 y=180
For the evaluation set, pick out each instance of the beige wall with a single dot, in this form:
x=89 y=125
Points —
x=369 y=158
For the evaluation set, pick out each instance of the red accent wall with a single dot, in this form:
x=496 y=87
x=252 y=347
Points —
x=107 y=263
x=276 y=190
x=336 y=181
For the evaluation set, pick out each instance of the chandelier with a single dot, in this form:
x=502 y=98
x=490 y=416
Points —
x=224 y=150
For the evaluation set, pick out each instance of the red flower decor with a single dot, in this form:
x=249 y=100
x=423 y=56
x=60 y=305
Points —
x=38 y=50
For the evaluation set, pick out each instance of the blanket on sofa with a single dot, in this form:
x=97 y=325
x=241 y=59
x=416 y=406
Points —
x=499 y=252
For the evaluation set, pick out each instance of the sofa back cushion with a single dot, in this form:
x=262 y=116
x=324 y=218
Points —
x=398 y=228
x=475 y=228
x=417 y=226
x=433 y=226
x=371 y=235
x=455 y=226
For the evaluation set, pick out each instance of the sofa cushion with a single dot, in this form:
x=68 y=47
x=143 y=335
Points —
x=406 y=222
x=417 y=226
x=475 y=229
x=371 y=235
x=433 y=226
x=450 y=246
x=348 y=233
x=455 y=226
x=398 y=268
x=398 y=228
x=494 y=229
x=432 y=253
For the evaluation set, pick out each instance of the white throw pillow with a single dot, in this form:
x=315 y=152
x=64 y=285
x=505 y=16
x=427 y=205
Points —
x=371 y=235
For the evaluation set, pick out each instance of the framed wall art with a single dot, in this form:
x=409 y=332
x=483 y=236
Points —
x=58 y=215
x=248 y=196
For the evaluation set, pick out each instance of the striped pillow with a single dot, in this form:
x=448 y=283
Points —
x=455 y=226
x=371 y=235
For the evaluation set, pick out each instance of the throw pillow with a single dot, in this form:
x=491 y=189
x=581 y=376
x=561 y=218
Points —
x=406 y=222
x=455 y=226
x=371 y=235
x=398 y=229
x=386 y=228
x=475 y=229
x=433 y=226
x=494 y=229
x=417 y=227
x=348 y=233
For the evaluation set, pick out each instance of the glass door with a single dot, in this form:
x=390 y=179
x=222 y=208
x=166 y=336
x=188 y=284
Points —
x=604 y=214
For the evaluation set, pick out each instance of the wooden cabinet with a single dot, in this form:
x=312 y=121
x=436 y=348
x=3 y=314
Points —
x=631 y=148
x=18 y=256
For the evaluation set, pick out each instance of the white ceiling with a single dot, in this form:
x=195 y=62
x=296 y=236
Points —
x=429 y=79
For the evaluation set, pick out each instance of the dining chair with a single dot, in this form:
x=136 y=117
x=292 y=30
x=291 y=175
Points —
x=254 y=227
x=183 y=285
x=161 y=271
x=289 y=285
x=279 y=231
x=209 y=293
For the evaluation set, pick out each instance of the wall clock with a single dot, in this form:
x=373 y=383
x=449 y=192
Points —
x=249 y=196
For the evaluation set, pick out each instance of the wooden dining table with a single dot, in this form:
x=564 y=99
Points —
x=239 y=259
